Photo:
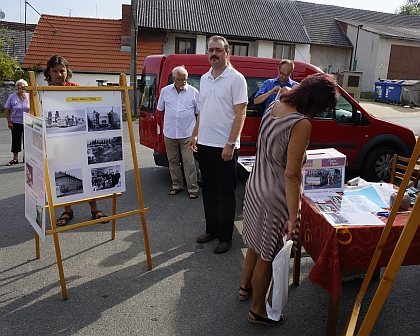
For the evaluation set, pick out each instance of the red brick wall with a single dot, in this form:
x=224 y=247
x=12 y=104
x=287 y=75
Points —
x=126 y=20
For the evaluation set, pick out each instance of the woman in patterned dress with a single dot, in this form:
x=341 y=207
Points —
x=273 y=190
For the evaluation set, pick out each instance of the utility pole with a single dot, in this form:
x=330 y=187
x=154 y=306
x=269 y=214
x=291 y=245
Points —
x=133 y=56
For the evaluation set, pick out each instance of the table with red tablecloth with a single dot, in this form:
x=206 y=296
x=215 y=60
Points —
x=335 y=249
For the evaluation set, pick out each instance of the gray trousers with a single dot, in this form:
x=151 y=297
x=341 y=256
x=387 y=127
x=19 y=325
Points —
x=175 y=149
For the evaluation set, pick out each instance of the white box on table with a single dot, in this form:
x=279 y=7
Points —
x=323 y=171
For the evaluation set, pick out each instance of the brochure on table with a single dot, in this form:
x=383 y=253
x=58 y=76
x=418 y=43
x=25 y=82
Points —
x=34 y=130
x=247 y=162
x=346 y=210
x=84 y=143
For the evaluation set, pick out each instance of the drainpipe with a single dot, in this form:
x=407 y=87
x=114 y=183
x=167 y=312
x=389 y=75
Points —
x=133 y=55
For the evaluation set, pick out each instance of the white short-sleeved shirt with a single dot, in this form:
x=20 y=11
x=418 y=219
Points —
x=217 y=98
x=180 y=111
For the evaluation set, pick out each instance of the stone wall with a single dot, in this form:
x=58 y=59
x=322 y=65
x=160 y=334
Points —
x=5 y=92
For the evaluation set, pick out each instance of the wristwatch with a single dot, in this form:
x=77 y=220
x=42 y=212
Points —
x=231 y=144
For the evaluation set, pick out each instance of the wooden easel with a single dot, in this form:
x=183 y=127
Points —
x=34 y=103
x=394 y=263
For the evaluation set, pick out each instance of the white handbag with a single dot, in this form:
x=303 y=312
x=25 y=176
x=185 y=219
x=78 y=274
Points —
x=280 y=282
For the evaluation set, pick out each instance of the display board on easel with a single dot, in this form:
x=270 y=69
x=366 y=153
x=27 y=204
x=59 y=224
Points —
x=34 y=131
x=83 y=158
x=84 y=142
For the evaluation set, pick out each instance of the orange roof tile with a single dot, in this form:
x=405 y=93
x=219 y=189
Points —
x=88 y=44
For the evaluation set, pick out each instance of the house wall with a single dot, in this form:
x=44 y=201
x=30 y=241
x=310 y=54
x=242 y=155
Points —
x=322 y=57
x=303 y=53
x=259 y=48
x=263 y=49
x=201 y=45
x=369 y=56
x=373 y=54
x=384 y=54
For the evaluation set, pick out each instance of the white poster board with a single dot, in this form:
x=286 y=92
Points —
x=34 y=130
x=84 y=143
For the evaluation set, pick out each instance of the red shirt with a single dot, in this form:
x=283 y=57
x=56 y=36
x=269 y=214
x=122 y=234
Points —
x=71 y=84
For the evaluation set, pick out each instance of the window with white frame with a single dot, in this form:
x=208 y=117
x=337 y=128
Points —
x=184 y=45
x=283 y=51
x=238 y=49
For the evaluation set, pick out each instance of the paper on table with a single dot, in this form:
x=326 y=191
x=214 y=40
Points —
x=370 y=192
x=355 y=203
x=247 y=162
x=321 y=197
x=353 y=218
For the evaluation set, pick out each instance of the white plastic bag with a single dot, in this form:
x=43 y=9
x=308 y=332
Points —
x=280 y=286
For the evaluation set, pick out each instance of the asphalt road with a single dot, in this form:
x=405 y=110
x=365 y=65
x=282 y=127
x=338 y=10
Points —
x=406 y=116
x=189 y=291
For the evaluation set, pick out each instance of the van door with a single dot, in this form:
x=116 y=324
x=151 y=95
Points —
x=149 y=127
x=339 y=129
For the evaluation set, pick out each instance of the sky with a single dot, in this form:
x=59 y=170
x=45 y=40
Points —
x=14 y=10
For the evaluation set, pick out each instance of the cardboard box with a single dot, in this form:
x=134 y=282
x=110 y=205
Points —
x=323 y=171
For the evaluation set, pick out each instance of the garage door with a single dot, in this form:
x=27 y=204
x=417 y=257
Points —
x=404 y=62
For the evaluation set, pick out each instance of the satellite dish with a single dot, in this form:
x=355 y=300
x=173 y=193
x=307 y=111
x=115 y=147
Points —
x=2 y=15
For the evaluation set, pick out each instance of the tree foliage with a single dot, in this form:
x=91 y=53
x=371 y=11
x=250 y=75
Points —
x=411 y=7
x=9 y=67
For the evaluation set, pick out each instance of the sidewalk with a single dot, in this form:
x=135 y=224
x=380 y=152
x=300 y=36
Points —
x=383 y=110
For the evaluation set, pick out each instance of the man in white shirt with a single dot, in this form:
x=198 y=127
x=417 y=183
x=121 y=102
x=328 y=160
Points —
x=179 y=103
x=223 y=101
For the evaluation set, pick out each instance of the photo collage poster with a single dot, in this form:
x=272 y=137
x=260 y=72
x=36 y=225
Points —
x=34 y=172
x=84 y=142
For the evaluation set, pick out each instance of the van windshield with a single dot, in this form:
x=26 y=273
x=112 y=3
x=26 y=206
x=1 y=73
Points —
x=147 y=90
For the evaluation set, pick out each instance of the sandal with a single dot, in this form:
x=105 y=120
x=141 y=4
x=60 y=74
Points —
x=13 y=162
x=244 y=297
x=175 y=191
x=193 y=195
x=63 y=220
x=99 y=214
x=262 y=320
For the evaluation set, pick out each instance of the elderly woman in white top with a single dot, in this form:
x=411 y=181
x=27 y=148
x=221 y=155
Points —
x=16 y=104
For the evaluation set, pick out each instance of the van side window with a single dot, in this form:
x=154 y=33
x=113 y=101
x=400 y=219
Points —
x=147 y=90
x=343 y=112
x=193 y=80
x=254 y=85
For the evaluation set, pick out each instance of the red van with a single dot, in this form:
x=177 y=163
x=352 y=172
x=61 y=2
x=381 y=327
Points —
x=369 y=143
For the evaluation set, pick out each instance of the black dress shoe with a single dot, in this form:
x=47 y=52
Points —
x=222 y=247
x=205 y=237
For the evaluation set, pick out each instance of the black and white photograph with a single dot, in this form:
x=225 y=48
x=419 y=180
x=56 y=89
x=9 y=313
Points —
x=37 y=140
x=39 y=214
x=336 y=200
x=62 y=122
x=336 y=218
x=101 y=150
x=326 y=208
x=106 y=178
x=68 y=182
x=104 y=118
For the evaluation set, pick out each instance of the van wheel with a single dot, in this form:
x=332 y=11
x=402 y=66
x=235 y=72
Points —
x=377 y=164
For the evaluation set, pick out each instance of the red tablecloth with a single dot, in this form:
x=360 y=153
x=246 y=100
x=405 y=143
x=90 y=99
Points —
x=335 y=249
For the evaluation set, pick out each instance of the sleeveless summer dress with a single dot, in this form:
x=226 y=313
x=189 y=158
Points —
x=265 y=207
